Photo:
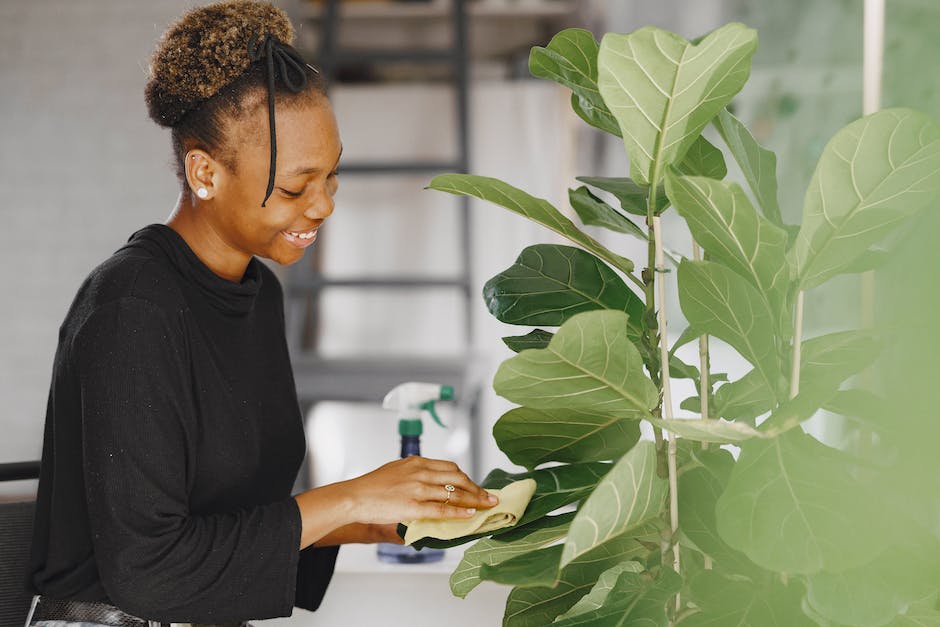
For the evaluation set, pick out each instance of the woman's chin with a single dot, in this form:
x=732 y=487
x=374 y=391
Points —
x=286 y=257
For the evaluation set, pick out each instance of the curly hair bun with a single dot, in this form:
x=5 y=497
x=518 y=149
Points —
x=205 y=50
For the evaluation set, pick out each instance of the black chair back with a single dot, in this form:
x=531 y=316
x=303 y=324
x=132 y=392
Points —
x=16 y=534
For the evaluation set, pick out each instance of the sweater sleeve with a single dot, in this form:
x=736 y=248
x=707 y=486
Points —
x=316 y=565
x=156 y=559
x=314 y=572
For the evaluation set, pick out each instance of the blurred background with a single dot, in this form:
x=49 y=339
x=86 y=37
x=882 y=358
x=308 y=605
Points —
x=391 y=292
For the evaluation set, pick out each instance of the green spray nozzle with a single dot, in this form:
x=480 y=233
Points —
x=429 y=407
x=411 y=427
x=410 y=399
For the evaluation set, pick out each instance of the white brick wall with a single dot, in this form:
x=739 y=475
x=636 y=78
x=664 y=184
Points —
x=81 y=167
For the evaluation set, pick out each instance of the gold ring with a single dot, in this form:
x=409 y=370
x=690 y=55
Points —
x=450 y=490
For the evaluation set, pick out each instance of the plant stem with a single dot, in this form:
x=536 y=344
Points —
x=866 y=378
x=658 y=371
x=636 y=281
x=667 y=397
x=704 y=383
x=797 y=345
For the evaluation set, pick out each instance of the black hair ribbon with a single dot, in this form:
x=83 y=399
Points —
x=288 y=61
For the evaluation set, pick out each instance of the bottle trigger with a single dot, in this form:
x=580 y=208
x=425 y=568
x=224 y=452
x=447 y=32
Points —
x=429 y=407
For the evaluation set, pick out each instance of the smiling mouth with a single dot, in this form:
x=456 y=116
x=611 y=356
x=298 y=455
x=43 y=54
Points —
x=300 y=239
x=303 y=235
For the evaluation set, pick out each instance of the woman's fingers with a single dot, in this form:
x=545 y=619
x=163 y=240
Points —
x=461 y=496
x=449 y=473
x=444 y=511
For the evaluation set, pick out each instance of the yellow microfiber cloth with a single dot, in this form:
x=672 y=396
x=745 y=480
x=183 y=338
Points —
x=513 y=499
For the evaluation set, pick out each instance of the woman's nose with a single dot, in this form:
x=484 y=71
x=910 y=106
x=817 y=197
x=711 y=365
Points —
x=321 y=208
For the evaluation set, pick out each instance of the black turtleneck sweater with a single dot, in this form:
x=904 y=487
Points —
x=172 y=440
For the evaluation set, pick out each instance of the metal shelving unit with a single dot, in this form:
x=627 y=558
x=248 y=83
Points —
x=367 y=379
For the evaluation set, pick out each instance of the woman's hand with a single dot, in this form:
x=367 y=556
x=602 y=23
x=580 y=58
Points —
x=402 y=490
x=413 y=487
x=361 y=533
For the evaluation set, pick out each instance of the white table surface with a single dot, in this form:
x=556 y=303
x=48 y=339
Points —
x=365 y=591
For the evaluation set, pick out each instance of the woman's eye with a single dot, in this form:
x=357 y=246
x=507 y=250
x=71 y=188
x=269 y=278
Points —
x=291 y=194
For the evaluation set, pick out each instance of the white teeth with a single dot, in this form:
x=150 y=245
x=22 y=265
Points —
x=307 y=235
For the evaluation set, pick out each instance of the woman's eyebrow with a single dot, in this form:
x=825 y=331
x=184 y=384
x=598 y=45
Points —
x=301 y=170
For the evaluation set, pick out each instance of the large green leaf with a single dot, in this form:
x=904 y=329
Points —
x=555 y=487
x=493 y=551
x=629 y=496
x=663 y=90
x=725 y=601
x=678 y=369
x=537 y=338
x=571 y=60
x=873 y=174
x=636 y=600
x=531 y=607
x=827 y=361
x=597 y=115
x=590 y=364
x=744 y=399
x=873 y=594
x=601 y=590
x=688 y=335
x=595 y=212
x=791 y=412
x=871 y=259
x=536 y=209
x=717 y=431
x=549 y=283
x=793 y=505
x=699 y=489
x=535 y=568
x=731 y=231
x=721 y=303
x=923 y=613
x=633 y=197
x=758 y=164
x=531 y=437
x=703 y=159
x=862 y=406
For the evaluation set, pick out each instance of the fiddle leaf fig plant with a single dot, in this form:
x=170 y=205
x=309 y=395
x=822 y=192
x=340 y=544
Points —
x=786 y=529
x=663 y=90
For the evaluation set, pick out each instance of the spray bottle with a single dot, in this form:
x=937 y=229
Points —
x=410 y=401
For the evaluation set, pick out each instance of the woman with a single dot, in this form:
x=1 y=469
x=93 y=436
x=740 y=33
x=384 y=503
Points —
x=173 y=434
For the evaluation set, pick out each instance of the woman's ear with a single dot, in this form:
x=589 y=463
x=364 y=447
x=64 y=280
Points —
x=201 y=174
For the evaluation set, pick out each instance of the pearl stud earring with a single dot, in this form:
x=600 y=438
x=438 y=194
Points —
x=202 y=192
